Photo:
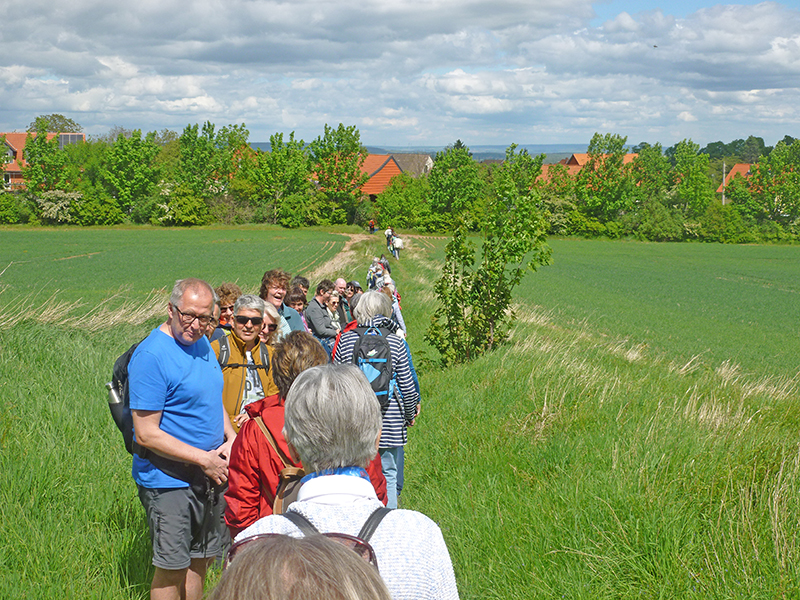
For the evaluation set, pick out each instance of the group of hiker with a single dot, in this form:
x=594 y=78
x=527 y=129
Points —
x=256 y=415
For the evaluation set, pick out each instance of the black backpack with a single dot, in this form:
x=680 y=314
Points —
x=373 y=356
x=121 y=410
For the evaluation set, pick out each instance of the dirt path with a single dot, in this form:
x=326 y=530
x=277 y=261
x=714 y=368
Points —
x=345 y=256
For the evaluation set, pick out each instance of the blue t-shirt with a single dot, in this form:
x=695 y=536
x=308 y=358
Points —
x=185 y=384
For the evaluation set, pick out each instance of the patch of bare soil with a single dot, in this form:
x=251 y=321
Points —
x=346 y=256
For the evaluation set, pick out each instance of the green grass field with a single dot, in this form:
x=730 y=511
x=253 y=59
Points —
x=637 y=438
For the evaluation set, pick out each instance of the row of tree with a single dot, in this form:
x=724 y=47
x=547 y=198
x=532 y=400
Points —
x=657 y=196
x=207 y=174
x=201 y=176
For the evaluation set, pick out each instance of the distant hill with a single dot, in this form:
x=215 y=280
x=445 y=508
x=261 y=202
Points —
x=553 y=152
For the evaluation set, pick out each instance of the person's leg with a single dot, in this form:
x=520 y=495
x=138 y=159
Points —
x=389 y=466
x=168 y=584
x=401 y=460
x=195 y=577
x=169 y=521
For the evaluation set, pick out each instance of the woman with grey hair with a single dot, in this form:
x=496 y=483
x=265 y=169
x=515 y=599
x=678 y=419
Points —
x=333 y=424
x=404 y=402
x=247 y=376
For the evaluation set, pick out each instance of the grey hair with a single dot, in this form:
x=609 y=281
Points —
x=190 y=283
x=248 y=302
x=371 y=305
x=332 y=417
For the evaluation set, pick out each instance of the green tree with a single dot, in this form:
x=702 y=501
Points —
x=603 y=186
x=54 y=123
x=475 y=302
x=130 y=173
x=45 y=162
x=694 y=190
x=775 y=183
x=336 y=158
x=196 y=164
x=168 y=158
x=404 y=203
x=281 y=175
x=456 y=186
x=651 y=172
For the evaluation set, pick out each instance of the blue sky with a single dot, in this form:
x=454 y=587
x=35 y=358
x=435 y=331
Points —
x=410 y=72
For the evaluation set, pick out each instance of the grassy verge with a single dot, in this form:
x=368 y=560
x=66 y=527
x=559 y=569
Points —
x=598 y=455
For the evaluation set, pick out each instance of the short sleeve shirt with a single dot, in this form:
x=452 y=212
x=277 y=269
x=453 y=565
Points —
x=185 y=384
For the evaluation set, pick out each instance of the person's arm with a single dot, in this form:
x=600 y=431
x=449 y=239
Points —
x=147 y=425
x=404 y=380
x=377 y=479
x=243 y=496
x=319 y=321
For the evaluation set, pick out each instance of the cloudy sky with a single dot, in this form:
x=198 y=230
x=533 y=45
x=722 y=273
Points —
x=409 y=72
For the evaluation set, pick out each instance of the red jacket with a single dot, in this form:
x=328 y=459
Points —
x=254 y=467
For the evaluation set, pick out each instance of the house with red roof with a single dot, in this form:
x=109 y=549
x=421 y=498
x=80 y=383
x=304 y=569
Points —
x=575 y=164
x=380 y=168
x=738 y=170
x=15 y=151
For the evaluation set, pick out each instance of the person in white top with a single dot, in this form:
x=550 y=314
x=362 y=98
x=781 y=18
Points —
x=333 y=424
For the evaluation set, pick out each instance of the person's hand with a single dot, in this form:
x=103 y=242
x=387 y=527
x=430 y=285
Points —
x=225 y=450
x=241 y=419
x=215 y=467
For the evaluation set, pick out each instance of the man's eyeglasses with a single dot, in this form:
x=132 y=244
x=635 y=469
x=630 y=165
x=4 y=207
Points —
x=228 y=308
x=242 y=320
x=189 y=318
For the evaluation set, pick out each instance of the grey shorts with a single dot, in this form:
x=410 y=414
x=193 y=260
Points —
x=184 y=524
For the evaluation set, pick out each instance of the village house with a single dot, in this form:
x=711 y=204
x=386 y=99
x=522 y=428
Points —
x=382 y=167
x=738 y=170
x=575 y=164
x=15 y=151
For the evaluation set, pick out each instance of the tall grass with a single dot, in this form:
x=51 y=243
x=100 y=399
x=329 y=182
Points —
x=591 y=457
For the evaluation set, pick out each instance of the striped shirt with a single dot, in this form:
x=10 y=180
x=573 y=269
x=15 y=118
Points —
x=403 y=407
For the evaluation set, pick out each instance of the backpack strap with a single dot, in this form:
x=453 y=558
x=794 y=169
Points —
x=365 y=534
x=224 y=352
x=272 y=442
x=372 y=523
x=301 y=523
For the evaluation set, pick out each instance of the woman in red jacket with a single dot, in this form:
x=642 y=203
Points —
x=255 y=466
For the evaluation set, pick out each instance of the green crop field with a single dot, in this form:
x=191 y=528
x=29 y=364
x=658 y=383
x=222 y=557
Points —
x=637 y=438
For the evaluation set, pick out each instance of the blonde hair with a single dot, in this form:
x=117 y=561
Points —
x=280 y=567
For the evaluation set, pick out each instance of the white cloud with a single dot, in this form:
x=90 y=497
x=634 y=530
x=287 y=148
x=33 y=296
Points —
x=528 y=71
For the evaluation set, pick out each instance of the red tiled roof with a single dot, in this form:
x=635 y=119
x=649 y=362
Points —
x=16 y=142
x=380 y=168
x=582 y=158
x=741 y=169
x=571 y=170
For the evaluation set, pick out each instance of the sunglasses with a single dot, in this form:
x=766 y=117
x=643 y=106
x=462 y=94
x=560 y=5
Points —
x=359 y=546
x=242 y=320
x=272 y=327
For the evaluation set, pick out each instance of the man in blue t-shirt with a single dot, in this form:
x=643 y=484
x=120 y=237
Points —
x=180 y=424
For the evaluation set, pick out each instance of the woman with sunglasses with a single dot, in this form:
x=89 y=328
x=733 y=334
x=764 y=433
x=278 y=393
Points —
x=247 y=374
x=269 y=333
x=255 y=465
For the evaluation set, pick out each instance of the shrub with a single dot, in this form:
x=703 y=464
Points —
x=10 y=208
x=97 y=208
x=724 y=224
x=184 y=208
x=654 y=222
x=55 y=206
